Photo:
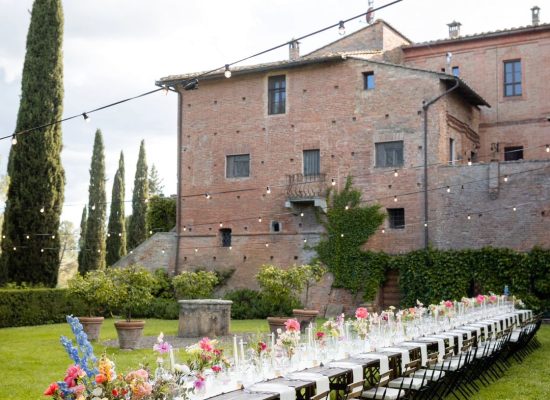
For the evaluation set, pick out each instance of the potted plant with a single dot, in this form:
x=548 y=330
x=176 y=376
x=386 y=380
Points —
x=310 y=274
x=133 y=287
x=279 y=290
x=96 y=292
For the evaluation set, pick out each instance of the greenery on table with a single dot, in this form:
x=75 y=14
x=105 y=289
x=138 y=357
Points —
x=348 y=225
x=35 y=194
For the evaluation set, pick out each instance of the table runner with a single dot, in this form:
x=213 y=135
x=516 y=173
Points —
x=285 y=392
x=452 y=336
x=476 y=328
x=321 y=382
x=440 y=346
x=423 y=350
x=356 y=368
x=405 y=356
x=384 y=360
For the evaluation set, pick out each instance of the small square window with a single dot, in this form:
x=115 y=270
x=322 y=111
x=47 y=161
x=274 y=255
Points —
x=226 y=237
x=368 y=80
x=389 y=154
x=276 y=226
x=396 y=218
x=513 y=153
x=456 y=71
x=276 y=88
x=238 y=166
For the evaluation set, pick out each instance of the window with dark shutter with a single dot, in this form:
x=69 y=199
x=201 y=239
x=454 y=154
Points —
x=389 y=154
x=396 y=218
x=312 y=162
x=238 y=166
x=276 y=94
x=513 y=153
x=226 y=237
x=512 y=78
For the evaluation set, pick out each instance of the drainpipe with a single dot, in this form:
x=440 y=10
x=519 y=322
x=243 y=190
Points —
x=178 y=199
x=425 y=106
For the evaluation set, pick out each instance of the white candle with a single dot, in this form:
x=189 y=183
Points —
x=242 y=350
x=235 y=352
x=172 y=358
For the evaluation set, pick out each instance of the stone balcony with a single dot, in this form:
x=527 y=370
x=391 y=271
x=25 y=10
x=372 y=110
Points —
x=302 y=188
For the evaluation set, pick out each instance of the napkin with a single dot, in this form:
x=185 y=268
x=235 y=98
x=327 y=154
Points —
x=405 y=356
x=423 y=351
x=384 y=360
x=285 y=392
x=356 y=368
x=321 y=381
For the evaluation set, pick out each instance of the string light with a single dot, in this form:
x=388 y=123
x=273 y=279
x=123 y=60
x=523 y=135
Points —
x=302 y=214
x=98 y=250
x=184 y=228
x=341 y=28
x=14 y=248
x=267 y=245
x=14 y=139
x=259 y=219
x=108 y=235
x=346 y=208
x=448 y=189
x=395 y=173
x=230 y=247
x=395 y=199
x=505 y=178
x=333 y=182
x=221 y=224
x=268 y=190
x=93 y=207
x=425 y=224
x=227 y=72
x=28 y=237
x=548 y=148
x=150 y=232
x=42 y=250
x=514 y=208
x=207 y=195
x=469 y=217
x=42 y=209
x=86 y=117
x=196 y=250
x=53 y=236
x=469 y=163
x=341 y=235
x=305 y=240
x=383 y=231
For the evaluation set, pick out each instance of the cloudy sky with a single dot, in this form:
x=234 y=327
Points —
x=117 y=48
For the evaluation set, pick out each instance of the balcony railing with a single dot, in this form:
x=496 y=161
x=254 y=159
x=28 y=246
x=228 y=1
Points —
x=306 y=186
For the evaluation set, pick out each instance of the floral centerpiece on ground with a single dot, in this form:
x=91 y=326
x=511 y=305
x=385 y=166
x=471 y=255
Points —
x=290 y=338
x=361 y=322
x=90 y=379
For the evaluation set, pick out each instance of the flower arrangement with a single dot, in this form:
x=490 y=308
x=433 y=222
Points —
x=480 y=299
x=205 y=355
x=89 y=378
x=320 y=337
x=361 y=323
x=332 y=328
x=290 y=338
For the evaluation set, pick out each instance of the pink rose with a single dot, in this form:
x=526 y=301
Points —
x=320 y=335
x=142 y=390
x=262 y=346
x=292 y=325
x=361 y=313
x=449 y=304
x=480 y=299
x=216 y=368
x=205 y=344
x=493 y=298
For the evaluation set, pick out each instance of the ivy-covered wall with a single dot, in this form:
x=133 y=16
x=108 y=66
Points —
x=433 y=275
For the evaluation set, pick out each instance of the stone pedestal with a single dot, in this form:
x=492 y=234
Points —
x=204 y=317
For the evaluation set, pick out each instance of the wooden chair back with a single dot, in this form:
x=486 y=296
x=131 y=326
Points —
x=354 y=390
x=320 y=396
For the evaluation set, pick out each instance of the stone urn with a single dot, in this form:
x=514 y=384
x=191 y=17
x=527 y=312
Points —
x=276 y=323
x=129 y=333
x=305 y=317
x=92 y=326
x=204 y=317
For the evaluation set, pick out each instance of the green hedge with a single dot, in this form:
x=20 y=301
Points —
x=22 y=307
x=252 y=304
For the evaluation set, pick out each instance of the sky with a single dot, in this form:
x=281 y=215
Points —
x=115 y=49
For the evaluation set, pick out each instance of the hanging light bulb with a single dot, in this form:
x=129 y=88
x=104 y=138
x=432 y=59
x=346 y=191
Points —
x=395 y=173
x=395 y=199
x=108 y=235
x=469 y=216
x=383 y=231
x=230 y=247
x=505 y=178
x=207 y=195
x=302 y=214
x=469 y=163
x=162 y=251
x=196 y=250
x=425 y=224
x=14 y=139
x=14 y=248
x=150 y=232
x=448 y=189
x=146 y=201
x=341 y=28
x=341 y=235
x=42 y=250
x=268 y=190
x=42 y=209
x=28 y=237
x=267 y=245
x=98 y=250
x=514 y=208
x=184 y=228
x=346 y=208
x=221 y=224
x=333 y=182
x=93 y=206
x=120 y=234
x=227 y=72
x=86 y=117
x=305 y=240
x=259 y=219
x=548 y=148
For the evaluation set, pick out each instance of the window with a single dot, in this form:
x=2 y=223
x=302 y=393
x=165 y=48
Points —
x=396 y=218
x=456 y=71
x=277 y=94
x=512 y=78
x=368 y=80
x=513 y=153
x=238 y=166
x=451 y=151
x=226 y=237
x=312 y=162
x=389 y=154
x=275 y=226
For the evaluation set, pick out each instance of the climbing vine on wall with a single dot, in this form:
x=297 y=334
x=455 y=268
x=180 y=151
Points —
x=348 y=225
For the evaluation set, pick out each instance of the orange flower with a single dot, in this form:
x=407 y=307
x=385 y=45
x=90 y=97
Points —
x=50 y=391
x=100 y=378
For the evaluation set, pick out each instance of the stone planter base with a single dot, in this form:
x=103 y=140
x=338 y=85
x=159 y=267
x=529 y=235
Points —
x=92 y=326
x=204 y=317
x=129 y=333
x=276 y=323
x=305 y=317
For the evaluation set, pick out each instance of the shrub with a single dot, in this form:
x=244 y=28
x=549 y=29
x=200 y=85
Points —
x=159 y=308
x=26 y=307
x=95 y=289
x=161 y=213
x=163 y=288
x=194 y=285
x=252 y=304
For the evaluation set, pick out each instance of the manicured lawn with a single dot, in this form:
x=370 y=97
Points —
x=32 y=357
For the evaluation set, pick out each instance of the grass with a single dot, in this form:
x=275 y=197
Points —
x=32 y=357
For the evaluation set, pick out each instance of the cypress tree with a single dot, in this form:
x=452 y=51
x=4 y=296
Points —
x=116 y=237
x=155 y=182
x=82 y=240
x=138 y=224
x=37 y=179
x=94 y=247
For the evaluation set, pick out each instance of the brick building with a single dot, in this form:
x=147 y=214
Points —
x=258 y=151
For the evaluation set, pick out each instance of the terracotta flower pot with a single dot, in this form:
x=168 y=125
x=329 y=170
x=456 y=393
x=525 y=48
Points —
x=276 y=323
x=129 y=333
x=305 y=317
x=92 y=326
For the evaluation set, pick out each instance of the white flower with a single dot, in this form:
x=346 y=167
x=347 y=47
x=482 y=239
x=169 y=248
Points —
x=97 y=391
x=184 y=369
x=160 y=338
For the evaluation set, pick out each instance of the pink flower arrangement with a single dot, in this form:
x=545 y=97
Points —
x=320 y=335
x=206 y=344
x=216 y=368
x=161 y=346
x=449 y=304
x=493 y=299
x=292 y=325
x=199 y=383
x=480 y=299
x=361 y=313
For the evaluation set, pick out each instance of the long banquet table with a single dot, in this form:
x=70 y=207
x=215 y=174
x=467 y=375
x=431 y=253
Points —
x=342 y=372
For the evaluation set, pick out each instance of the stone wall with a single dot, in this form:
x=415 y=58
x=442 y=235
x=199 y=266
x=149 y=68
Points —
x=158 y=251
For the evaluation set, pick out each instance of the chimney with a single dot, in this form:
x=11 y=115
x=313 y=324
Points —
x=454 y=29
x=535 y=15
x=293 y=50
